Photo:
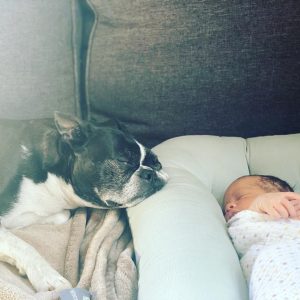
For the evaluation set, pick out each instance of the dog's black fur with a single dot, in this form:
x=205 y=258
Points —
x=48 y=167
x=94 y=159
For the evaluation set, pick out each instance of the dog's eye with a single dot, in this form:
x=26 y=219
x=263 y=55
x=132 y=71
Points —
x=123 y=160
x=126 y=162
x=129 y=164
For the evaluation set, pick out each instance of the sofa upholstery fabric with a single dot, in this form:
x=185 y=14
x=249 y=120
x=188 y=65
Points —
x=169 y=68
x=39 y=54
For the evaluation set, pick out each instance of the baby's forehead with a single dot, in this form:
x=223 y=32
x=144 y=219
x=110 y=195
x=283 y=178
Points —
x=245 y=181
x=242 y=183
x=250 y=182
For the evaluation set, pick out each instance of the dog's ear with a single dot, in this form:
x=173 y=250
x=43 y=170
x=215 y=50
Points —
x=71 y=129
x=111 y=122
x=114 y=123
x=121 y=126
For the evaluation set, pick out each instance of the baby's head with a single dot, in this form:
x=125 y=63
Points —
x=241 y=192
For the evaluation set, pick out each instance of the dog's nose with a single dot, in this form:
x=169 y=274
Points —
x=159 y=183
x=147 y=174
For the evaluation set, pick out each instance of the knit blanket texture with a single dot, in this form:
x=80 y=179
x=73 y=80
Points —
x=93 y=250
x=269 y=252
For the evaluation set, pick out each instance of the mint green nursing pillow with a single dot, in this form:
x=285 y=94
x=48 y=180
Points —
x=180 y=235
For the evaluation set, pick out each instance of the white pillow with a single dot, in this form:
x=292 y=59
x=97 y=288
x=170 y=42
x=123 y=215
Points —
x=180 y=234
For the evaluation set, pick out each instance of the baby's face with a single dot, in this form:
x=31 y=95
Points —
x=240 y=195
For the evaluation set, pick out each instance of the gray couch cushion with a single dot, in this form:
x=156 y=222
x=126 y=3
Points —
x=39 y=55
x=169 y=68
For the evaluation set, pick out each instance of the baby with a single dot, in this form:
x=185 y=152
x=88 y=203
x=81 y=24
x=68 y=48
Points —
x=263 y=214
x=264 y=194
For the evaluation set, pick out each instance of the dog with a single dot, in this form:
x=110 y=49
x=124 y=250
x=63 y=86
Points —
x=50 y=167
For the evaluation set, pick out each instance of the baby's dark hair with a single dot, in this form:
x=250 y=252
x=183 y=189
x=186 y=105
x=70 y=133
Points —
x=271 y=183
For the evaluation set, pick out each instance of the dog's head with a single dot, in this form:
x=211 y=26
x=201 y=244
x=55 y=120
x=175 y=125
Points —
x=108 y=167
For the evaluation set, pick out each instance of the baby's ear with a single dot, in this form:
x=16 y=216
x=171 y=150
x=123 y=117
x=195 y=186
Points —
x=71 y=129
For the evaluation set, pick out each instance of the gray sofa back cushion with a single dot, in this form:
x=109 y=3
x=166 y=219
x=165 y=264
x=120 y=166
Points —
x=39 y=55
x=168 y=68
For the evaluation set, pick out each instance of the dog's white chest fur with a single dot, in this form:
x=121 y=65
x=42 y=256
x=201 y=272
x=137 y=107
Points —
x=47 y=202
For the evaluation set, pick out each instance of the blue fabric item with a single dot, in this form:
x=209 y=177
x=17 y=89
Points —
x=74 y=294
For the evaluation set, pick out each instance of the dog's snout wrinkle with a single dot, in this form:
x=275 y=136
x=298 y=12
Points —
x=147 y=174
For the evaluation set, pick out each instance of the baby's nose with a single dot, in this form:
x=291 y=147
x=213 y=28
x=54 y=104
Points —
x=229 y=206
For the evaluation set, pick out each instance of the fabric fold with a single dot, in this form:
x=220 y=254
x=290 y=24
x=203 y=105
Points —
x=93 y=250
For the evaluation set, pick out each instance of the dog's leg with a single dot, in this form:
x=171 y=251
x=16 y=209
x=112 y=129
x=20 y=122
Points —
x=29 y=218
x=59 y=218
x=28 y=261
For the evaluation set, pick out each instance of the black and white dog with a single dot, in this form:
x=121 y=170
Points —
x=50 y=167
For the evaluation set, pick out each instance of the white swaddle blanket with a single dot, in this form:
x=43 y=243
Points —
x=269 y=254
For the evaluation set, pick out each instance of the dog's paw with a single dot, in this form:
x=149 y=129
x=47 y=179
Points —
x=59 y=218
x=44 y=278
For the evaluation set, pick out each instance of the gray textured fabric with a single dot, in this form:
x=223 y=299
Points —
x=277 y=156
x=39 y=54
x=168 y=67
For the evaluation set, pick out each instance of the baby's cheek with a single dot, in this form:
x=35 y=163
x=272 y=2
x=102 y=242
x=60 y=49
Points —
x=245 y=203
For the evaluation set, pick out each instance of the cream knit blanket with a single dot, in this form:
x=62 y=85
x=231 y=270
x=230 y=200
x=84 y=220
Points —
x=97 y=256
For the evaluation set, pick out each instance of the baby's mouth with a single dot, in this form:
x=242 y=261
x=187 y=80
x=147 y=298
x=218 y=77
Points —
x=229 y=214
